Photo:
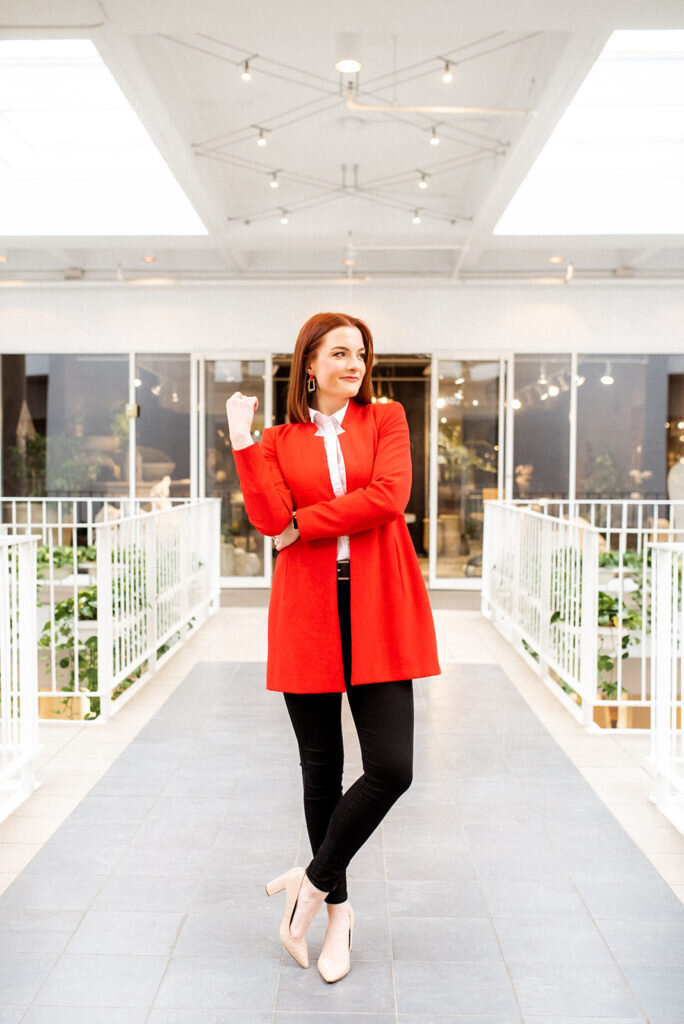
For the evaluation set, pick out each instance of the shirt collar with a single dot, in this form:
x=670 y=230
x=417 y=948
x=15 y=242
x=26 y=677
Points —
x=337 y=416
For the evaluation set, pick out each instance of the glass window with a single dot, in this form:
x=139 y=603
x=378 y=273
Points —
x=467 y=461
x=65 y=431
x=622 y=405
x=541 y=410
x=242 y=547
x=162 y=457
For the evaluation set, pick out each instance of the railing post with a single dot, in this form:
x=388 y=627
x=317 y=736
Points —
x=588 y=626
x=106 y=597
x=663 y=620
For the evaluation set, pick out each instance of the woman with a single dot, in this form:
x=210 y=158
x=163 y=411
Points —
x=348 y=611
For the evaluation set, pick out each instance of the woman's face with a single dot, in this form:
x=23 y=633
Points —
x=339 y=364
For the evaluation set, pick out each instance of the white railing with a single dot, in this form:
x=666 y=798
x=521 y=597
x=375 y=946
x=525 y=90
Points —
x=120 y=588
x=667 y=734
x=161 y=570
x=18 y=672
x=548 y=567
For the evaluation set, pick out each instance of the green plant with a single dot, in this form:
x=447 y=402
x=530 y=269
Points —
x=24 y=468
x=71 y=647
x=64 y=555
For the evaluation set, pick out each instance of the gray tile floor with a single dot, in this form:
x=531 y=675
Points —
x=499 y=889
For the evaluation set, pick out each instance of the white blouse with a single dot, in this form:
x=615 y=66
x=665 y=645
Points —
x=328 y=428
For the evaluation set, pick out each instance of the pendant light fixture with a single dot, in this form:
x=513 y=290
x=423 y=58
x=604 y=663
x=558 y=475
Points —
x=607 y=377
x=348 y=53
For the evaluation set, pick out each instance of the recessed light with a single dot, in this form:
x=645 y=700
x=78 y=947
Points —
x=556 y=259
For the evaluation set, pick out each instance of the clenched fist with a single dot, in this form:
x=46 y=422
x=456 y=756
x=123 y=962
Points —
x=240 y=411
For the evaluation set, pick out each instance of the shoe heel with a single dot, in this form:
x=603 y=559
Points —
x=276 y=885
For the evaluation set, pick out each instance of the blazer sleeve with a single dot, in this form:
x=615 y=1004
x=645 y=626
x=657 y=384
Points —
x=268 y=501
x=384 y=498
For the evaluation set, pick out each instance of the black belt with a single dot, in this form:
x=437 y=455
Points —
x=343 y=569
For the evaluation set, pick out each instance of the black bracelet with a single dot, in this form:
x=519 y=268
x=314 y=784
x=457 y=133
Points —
x=294 y=520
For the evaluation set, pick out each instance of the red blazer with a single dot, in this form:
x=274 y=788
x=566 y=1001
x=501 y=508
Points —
x=392 y=629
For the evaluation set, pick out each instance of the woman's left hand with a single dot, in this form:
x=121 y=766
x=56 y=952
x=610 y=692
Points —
x=287 y=537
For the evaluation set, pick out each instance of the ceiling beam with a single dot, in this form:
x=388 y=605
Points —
x=573 y=59
x=170 y=122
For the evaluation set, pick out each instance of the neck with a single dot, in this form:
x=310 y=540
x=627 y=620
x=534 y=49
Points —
x=327 y=404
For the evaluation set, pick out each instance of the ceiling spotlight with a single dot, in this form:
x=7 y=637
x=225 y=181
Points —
x=416 y=217
x=423 y=180
x=475 y=401
x=544 y=396
x=607 y=377
x=554 y=390
x=516 y=403
x=556 y=259
x=434 y=138
x=284 y=219
x=149 y=258
x=447 y=76
x=349 y=262
x=3 y=257
x=261 y=141
x=541 y=379
x=246 y=75
x=579 y=380
x=348 y=53
x=274 y=183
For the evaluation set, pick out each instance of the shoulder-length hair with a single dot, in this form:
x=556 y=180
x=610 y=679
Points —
x=308 y=341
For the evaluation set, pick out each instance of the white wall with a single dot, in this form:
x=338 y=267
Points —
x=75 y=317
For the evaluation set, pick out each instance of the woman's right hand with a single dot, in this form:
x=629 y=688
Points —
x=240 y=411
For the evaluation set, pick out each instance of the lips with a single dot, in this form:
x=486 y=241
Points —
x=354 y=379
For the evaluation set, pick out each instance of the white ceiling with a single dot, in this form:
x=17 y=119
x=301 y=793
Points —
x=348 y=178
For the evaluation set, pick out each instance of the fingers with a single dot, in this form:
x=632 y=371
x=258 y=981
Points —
x=237 y=398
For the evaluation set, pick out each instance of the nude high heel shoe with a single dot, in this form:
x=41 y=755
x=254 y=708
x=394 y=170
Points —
x=291 y=882
x=333 y=970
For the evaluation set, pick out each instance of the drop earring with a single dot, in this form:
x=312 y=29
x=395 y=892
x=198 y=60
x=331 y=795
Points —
x=310 y=381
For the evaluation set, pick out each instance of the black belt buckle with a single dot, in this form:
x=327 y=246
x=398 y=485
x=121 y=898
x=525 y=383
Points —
x=343 y=569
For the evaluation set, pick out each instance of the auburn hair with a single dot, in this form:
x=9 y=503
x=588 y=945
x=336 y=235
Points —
x=308 y=341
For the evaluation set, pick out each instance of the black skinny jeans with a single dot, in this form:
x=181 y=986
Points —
x=338 y=825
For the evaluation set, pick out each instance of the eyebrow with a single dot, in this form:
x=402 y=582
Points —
x=335 y=348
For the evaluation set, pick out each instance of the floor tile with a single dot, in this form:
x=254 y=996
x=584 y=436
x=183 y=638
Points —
x=444 y=938
x=653 y=941
x=84 y=1015
x=659 y=989
x=367 y=988
x=453 y=988
x=21 y=975
x=218 y=983
x=140 y=933
x=82 y=979
x=37 y=931
x=575 y=991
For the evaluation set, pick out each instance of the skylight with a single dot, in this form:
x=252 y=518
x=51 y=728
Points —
x=75 y=158
x=614 y=164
